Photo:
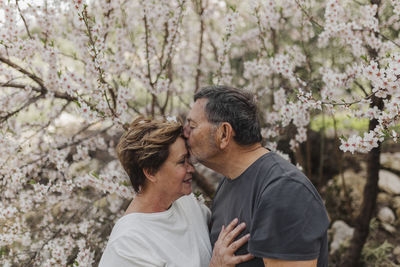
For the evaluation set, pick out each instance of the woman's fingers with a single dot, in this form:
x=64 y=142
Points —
x=242 y=258
x=221 y=233
x=231 y=225
x=231 y=235
x=240 y=242
x=226 y=246
x=228 y=229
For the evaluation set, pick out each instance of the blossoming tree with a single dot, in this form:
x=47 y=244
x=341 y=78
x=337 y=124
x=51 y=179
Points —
x=99 y=63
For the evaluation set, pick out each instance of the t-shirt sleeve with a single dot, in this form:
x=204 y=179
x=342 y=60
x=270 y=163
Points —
x=126 y=251
x=289 y=222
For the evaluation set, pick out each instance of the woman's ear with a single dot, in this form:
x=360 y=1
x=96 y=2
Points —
x=224 y=134
x=150 y=175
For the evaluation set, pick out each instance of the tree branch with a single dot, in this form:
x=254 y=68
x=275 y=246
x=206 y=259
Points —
x=200 y=12
x=153 y=96
x=56 y=94
x=38 y=80
x=92 y=43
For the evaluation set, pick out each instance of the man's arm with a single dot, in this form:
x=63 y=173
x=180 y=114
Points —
x=290 y=224
x=284 y=263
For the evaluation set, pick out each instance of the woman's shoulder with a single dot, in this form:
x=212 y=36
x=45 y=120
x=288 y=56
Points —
x=194 y=205
x=188 y=201
x=126 y=227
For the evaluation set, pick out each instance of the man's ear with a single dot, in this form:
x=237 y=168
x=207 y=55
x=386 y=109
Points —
x=150 y=175
x=224 y=134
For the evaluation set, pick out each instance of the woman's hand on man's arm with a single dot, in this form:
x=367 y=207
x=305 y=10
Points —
x=225 y=247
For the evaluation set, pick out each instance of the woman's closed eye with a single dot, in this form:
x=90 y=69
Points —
x=185 y=159
x=182 y=160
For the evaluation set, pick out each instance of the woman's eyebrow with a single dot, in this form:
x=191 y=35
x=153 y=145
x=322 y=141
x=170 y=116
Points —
x=182 y=156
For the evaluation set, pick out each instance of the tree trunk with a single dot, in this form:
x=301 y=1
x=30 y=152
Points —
x=361 y=231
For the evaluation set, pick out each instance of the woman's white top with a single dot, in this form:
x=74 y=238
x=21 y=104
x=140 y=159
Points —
x=177 y=237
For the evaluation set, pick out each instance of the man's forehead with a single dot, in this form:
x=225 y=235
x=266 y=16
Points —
x=197 y=110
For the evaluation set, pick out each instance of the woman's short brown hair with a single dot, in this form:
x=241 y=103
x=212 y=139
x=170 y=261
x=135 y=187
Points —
x=145 y=145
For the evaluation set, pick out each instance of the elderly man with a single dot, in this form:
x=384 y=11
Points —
x=284 y=214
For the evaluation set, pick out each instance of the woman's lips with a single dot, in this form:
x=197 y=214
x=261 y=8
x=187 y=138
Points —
x=189 y=180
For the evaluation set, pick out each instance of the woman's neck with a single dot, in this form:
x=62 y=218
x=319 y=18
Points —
x=148 y=202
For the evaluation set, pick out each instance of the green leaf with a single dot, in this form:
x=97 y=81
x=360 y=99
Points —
x=95 y=175
x=32 y=181
x=364 y=57
x=3 y=251
x=125 y=183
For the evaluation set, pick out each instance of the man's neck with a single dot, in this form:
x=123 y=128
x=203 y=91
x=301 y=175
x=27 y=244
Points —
x=235 y=160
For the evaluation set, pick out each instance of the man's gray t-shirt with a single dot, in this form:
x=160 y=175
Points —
x=283 y=211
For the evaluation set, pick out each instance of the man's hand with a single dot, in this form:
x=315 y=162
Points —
x=224 y=248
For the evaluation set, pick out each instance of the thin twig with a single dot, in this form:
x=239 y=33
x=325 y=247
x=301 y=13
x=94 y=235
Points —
x=312 y=20
x=84 y=129
x=133 y=108
x=388 y=39
x=73 y=57
x=28 y=103
x=362 y=88
x=261 y=34
x=23 y=19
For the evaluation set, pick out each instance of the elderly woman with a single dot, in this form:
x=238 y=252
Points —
x=164 y=224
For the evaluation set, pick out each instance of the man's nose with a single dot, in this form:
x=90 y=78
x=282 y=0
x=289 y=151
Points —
x=186 y=130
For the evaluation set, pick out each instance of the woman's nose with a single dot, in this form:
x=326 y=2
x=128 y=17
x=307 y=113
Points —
x=190 y=168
